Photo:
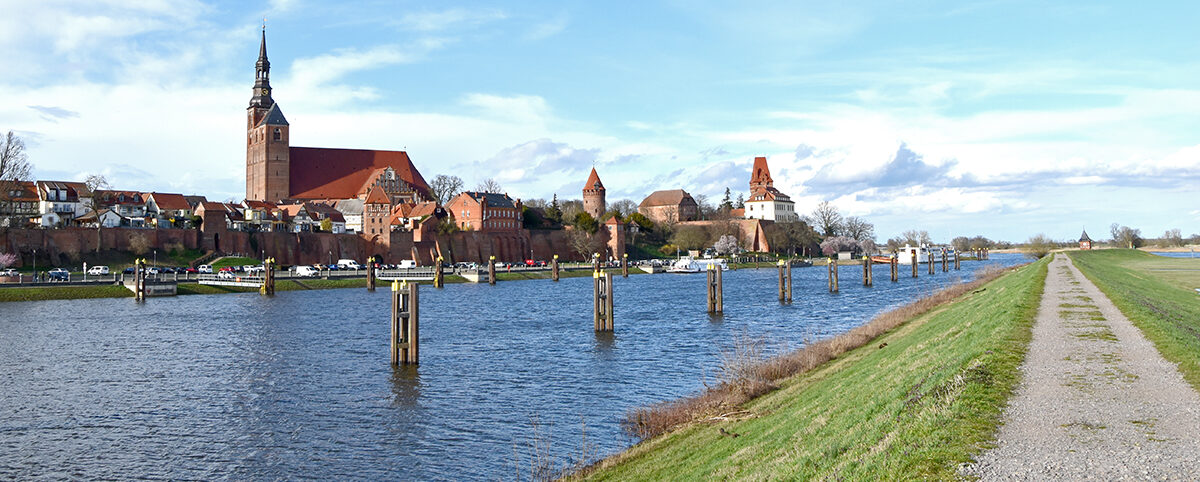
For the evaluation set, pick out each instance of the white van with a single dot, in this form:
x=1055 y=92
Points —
x=97 y=270
x=348 y=264
x=407 y=263
x=307 y=272
x=204 y=269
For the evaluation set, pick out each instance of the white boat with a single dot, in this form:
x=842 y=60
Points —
x=687 y=264
x=922 y=253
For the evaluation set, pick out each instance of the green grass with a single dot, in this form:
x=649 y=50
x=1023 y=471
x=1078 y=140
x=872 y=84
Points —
x=234 y=261
x=1156 y=294
x=63 y=293
x=916 y=408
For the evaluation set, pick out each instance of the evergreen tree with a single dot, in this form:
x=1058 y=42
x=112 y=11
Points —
x=553 y=212
x=741 y=202
x=726 y=204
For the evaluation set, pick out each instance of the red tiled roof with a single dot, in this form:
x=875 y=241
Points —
x=376 y=196
x=322 y=211
x=112 y=197
x=320 y=173
x=26 y=191
x=259 y=205
x=673 y=197
x=211 y=206
x=427 y=208
x=170 y=202
x=593 y=182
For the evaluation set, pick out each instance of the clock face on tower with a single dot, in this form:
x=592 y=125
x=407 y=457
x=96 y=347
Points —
x=266 y=92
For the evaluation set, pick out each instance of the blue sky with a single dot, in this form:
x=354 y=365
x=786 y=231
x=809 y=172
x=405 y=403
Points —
x=1002 y=118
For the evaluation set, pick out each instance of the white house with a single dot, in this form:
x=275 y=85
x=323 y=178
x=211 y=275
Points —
x=60 y=202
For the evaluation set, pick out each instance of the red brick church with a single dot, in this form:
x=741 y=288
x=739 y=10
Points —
x=276 y=171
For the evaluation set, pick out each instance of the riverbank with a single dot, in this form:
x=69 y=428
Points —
x=915 y=402
x=1158 y=296
x=45 y=293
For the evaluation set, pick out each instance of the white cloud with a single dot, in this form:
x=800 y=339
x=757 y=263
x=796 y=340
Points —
x=548 y=28
x=450 y=18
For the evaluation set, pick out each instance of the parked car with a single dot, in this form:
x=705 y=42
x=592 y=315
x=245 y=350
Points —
x=98 y=270
x=307 y=272
x=204 y=269
x=254 y=269
x=348 y=264
x=333 y=267
x=153 y=271
x=8 y=272
x=166 y=270
x=225 y=274
x=59 y=274
x=187 y=270
x=128 y=270
x=407 y=263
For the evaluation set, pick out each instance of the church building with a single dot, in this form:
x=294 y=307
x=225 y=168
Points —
x=276 y=171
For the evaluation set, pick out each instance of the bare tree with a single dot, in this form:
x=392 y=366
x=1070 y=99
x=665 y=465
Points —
x=14 y=167
x=826 y=218
x=623 y=206
x=1038 y=246
x=444 y=187
x=916 y=238
x=858 y=228
x=489 y=185
x=583 y=242
x=96 y=182
x=1173 y=237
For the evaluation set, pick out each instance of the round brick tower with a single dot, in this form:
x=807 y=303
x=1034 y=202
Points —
x=593 y=196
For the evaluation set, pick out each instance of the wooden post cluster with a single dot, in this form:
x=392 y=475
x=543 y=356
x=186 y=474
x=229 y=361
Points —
x=894 y=264
x=371 y=274
x=716 y=290
x=833 y=276
x=785 y=281
x=405 y=323
x=491 y=270
x=602 y=301
x=867 y=271
x=916 y=263
x=956 y=266
x=554 y=268
x=439 y=277
x=595 y=262
x=945 y=268
x=625 y=265
x=268 y=282
x=929 y=260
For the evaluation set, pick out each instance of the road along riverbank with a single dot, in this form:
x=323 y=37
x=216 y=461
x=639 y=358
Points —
x=916 y=401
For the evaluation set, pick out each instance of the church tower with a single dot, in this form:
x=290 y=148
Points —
x=267 y=148
x=593 y=196
x=760 y=176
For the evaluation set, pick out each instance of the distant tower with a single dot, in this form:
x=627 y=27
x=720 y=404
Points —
x=760 y=176
x=593 y=196
x=267 y=148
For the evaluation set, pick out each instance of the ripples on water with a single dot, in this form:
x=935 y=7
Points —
x=299 y=385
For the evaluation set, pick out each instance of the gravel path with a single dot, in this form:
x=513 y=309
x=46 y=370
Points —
x=1096 y=401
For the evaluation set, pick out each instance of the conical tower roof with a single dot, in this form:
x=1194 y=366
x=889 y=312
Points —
x=593 y=182
x=760 y=174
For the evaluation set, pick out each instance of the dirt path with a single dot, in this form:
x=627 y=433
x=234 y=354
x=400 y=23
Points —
x=1096 y=401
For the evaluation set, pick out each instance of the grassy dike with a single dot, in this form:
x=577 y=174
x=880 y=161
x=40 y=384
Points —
x=913 y=403
x=1156 y=294
x=43 y=293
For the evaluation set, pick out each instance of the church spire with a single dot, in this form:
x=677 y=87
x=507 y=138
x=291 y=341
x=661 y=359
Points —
x=262 y=76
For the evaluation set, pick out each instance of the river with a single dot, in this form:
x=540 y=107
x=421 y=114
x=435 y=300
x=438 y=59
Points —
x=299 y=385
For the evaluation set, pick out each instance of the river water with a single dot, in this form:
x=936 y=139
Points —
x=299 y=385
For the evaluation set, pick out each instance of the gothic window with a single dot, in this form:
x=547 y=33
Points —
x=278 y=134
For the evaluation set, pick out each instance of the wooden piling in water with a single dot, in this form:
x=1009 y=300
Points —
x=945 y=268
x=491 y=270
x=894 y=264
x=602 y=301
x=405 y=333
x=554 y=268
x=916 y=263
x=867 y=271
x=625 y=265
x=139 y=280
x=929 y=261
x=268 y=282
x=716 y=292
x=785 y=281
x=371 y=274
x=439 y=277
x=833 y=276
x=956 y=266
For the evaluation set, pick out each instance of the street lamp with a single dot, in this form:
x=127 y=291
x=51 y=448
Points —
x=35 y=265
x=155 y=257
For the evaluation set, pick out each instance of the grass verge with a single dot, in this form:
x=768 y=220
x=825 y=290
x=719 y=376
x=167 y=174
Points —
x=1156 y=294
x=234 y=261
x=922 y=397
x=43 y=293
